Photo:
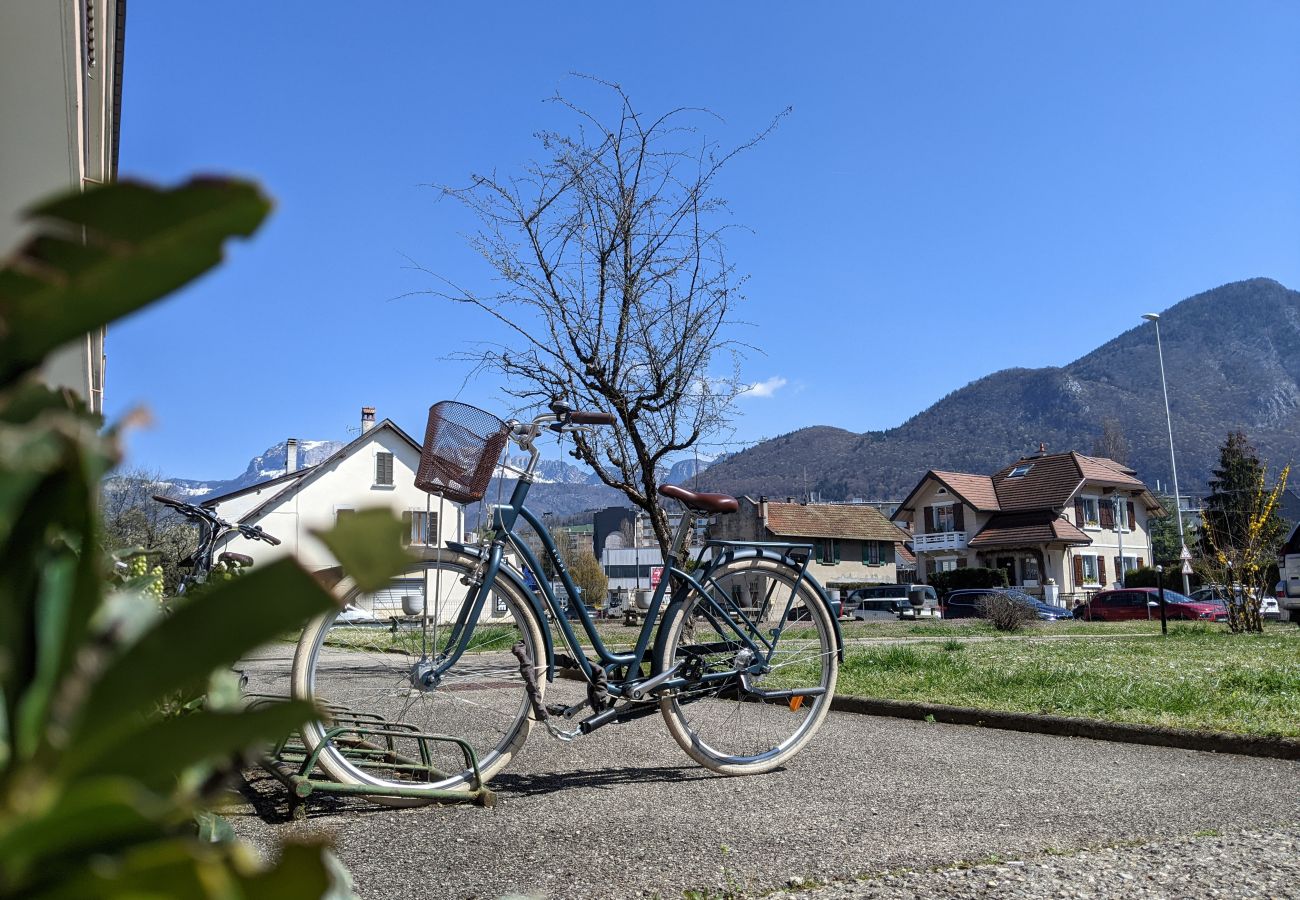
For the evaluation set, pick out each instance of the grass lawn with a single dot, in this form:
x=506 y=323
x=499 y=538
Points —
x=1198 y=677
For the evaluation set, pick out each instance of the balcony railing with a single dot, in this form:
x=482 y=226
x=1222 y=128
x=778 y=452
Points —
x=939 y=540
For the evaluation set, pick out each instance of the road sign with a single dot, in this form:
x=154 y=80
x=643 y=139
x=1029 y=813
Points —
x=656 y=573
x=1187 y=567
x=1186 y=555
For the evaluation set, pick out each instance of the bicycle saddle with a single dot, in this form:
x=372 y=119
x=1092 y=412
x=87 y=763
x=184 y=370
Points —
x=714 y=503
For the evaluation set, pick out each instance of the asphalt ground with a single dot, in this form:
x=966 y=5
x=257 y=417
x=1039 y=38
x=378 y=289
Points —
x=624 y=812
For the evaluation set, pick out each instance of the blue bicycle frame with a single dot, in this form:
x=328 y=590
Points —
x=718 y=607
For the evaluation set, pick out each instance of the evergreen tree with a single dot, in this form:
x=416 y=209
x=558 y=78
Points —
x=1235 y=514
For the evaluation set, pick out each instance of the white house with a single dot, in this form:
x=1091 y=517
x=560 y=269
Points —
x=60 y=99
x=376 y=469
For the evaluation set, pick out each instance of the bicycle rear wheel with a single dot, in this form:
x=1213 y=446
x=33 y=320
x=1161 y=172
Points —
x=726 y=728
x=366 y=676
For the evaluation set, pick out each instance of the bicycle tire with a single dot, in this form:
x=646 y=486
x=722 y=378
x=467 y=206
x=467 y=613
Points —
x=362 y=676
x=728 y=731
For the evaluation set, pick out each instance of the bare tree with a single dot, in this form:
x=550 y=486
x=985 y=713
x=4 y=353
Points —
x=615 y=286
x=1111 y=443
x=131 y=518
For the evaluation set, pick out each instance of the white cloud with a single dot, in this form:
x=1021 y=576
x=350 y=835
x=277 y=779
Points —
x=765 y=388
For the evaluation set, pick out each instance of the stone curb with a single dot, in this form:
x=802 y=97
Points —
x=1067 y=726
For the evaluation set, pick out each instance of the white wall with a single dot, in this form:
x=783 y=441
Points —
x=313 y=503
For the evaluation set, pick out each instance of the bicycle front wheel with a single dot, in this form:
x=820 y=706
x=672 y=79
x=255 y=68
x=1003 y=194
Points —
x=367 y=668
x=723 y=725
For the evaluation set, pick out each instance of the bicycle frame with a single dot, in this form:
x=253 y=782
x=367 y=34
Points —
x=724 y=612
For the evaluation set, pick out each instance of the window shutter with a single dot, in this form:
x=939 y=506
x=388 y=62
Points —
x=1119 y=567
x=1079 y=515
x=929 y=520
x=1132 y=519
x=1101 y=570
x=835 y=550
x=1078 y=570
x=866 y=553
x=433 y=537
x=1106 y=512
x=1141 y=563
x=930 y=566
x=962 y=562
x=817 y=551
x=959 y=517
x=383 y=468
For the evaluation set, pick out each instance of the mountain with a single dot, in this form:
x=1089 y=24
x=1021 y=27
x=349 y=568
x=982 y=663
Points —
x=1232 y=360
x=270 y=464
x=561 y=488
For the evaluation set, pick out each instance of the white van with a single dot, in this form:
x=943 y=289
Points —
x=1288 y=593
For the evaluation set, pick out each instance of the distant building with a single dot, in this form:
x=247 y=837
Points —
x=376 y=469
x=851 y=544
x=1062 y=516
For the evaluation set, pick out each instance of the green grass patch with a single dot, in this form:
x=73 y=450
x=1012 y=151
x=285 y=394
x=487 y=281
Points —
x=1198 y=677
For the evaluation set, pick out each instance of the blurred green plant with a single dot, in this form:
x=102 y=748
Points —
x=114 y=731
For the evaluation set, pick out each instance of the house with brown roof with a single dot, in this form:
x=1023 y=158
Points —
x=851 y=543
x=1064 y=519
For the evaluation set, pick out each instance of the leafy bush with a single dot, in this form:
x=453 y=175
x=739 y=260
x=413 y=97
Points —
x=1146 y=576
x=108 y=748
x=957 y=579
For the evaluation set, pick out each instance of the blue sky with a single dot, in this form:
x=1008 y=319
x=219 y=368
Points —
x=954 y=183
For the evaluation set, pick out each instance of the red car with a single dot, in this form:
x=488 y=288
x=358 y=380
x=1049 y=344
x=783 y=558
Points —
x=1144 y=603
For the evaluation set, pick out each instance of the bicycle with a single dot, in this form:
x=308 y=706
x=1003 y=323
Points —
x=212 y=528
x=742 y=664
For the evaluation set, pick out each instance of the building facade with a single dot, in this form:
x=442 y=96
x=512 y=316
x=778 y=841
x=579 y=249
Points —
x=1058 y=524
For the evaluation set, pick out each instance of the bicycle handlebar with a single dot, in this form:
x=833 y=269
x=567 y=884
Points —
x=591 y=418
x=254 y=532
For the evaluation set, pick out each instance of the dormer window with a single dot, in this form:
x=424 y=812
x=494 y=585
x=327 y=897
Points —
x=1021 y=471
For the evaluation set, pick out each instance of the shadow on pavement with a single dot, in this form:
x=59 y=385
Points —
x=520 y=785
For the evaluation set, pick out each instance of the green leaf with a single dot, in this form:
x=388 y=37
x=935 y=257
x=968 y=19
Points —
x=98 y=814
x=212 y=630
x=368 y=544
x=156 y=754
x=109 y=251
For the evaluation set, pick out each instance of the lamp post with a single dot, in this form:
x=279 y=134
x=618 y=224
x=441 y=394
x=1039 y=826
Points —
x=1169 y=423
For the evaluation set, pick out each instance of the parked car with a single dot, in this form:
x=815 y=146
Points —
x=969 y=604
x=1268 y=607
x=875 y=610
x=869 y=599
x=1144 y=603
x=801 y=613
x=354 y=615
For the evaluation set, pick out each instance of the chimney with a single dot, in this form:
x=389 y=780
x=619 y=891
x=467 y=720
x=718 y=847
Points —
x=291 y=455
x=367 y=418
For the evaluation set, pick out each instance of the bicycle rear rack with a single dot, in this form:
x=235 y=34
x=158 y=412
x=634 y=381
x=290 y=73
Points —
x=368 y=741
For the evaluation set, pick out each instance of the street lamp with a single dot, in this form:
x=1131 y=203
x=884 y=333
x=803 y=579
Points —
x=1169 y=422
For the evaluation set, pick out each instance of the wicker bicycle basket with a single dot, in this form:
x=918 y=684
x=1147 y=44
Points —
x=461 y=447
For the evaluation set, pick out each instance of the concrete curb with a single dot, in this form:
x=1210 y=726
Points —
x=1066 y=726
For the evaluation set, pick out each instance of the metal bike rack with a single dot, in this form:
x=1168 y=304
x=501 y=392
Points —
x=367 y=740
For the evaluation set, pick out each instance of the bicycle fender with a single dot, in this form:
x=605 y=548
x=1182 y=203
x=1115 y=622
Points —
x=785 y=559
x=517 y=581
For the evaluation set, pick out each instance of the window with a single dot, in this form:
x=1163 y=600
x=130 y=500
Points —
x=1089 y=512
x=421 y=527
x=1131 y=563
x=944 y=519
x=874 y=553
x=1020 y=471
x=342 y=513
x=1121 y=517
x=828 y=551
x=1090 y=575
x=945 y=565
x=383 y=468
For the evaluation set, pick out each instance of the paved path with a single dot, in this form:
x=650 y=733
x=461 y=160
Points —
x=624 y=812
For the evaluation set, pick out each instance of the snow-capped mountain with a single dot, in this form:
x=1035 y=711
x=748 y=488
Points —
x=272 y=463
